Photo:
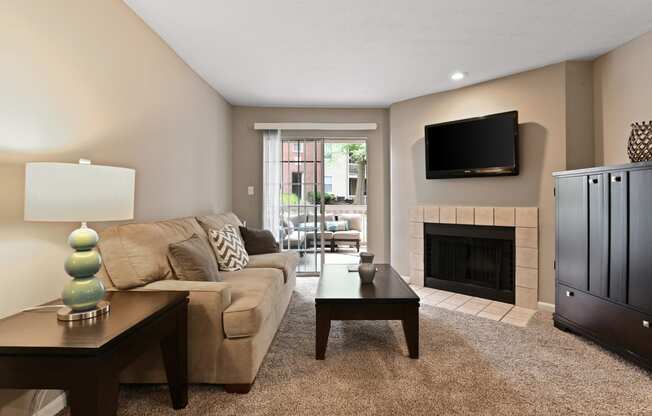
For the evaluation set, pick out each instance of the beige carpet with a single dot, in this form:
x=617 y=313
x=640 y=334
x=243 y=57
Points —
x=468 y=366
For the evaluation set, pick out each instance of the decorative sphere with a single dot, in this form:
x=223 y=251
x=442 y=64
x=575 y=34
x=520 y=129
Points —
x=83 y=239
x=83 y=263
x=83 y=294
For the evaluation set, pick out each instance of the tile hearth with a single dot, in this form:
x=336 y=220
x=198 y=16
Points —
x=483 y=308
x=525 y=220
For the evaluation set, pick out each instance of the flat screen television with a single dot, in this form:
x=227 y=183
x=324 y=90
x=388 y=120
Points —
x=481 y=146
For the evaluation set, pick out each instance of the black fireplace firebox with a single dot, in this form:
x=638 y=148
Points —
x=475 y=260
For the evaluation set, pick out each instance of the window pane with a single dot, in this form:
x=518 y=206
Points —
x=297 y=185
x=328 y=151
x=328 y=184
x=353 y=183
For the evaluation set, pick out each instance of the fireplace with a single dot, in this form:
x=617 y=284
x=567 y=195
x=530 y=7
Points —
x=470 y=259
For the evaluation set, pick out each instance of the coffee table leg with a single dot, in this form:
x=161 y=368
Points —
x=323 y=328
x=175 y=358
x=411 y=330
x=95 y=395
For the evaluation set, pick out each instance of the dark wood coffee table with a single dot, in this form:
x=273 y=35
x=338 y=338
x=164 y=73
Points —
x=86 y=357
x=341 y=297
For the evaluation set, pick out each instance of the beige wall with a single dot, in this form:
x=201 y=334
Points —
x=623 y=91
x=539 y=97
x=248 y=159
x=89 y=79
x=579 y=115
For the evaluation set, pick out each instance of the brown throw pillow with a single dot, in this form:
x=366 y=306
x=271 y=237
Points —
x=258 y=241
x=193 y=259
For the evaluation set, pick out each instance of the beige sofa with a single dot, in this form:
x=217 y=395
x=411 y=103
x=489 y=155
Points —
x=231 y=324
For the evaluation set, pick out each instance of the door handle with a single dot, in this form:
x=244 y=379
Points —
x=646 y=324
x=615 y=179
x=569 y=293
x=593 y=180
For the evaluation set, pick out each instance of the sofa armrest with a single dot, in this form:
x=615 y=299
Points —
x=190 y=286
x=208 y=300
x=218 y=293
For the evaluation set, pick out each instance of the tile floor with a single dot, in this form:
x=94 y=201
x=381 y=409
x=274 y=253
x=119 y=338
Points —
x=484 y=308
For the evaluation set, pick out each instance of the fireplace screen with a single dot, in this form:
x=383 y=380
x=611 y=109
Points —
x=474 y=260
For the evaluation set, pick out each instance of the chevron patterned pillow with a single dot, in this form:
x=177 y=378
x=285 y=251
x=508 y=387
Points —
x=229 y=248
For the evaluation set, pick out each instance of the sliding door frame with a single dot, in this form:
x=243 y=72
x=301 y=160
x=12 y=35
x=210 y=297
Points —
x=321 y=140
x=317 y=209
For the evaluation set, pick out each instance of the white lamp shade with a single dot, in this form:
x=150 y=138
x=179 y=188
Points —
x=78 y=192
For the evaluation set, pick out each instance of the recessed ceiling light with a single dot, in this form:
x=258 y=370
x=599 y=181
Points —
x=458 y=76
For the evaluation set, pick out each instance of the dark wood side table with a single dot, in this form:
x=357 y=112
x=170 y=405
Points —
x=86 y=357
x=341 y=297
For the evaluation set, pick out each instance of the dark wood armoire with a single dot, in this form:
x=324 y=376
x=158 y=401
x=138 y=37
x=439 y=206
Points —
x=604 y=257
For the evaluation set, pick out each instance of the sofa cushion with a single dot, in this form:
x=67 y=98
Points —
x=354 y=220
x=306 y=227
x=337 y=225
x=193 y=259
x=285 y=261
x=328 y=235
x=254 y=295
x=136 y=254
x=258 y=241
x=294 y=237
x=347 y=235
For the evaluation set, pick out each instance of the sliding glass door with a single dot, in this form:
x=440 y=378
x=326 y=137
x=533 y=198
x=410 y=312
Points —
x=302 y=202
x=345 y=194
x=323 y=200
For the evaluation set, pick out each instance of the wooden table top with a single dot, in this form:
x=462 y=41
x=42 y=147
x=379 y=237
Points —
x=338 y=285
x=40 y=332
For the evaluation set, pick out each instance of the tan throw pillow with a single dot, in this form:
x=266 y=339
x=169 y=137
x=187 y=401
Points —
x=192 y=259
x=229 y=248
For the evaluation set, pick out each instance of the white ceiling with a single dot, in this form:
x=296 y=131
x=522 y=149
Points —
x=372 y=53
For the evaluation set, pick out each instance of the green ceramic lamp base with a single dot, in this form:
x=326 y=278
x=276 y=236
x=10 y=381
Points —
x=84 y=292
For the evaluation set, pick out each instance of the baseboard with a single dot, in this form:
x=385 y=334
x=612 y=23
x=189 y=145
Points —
x=54 y=407
x=548 y=307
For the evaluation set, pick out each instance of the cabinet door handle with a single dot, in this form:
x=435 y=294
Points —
x=615 y=179
x=569 y=293
x=593 y=180
x=646 y=324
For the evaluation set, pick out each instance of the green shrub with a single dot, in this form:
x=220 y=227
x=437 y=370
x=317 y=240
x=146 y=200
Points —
x=315 y=197
x=289 y=199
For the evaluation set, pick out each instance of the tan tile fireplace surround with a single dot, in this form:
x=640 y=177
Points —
x=524 y=219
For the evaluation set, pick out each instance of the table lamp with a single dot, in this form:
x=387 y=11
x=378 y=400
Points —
x=70 y=192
